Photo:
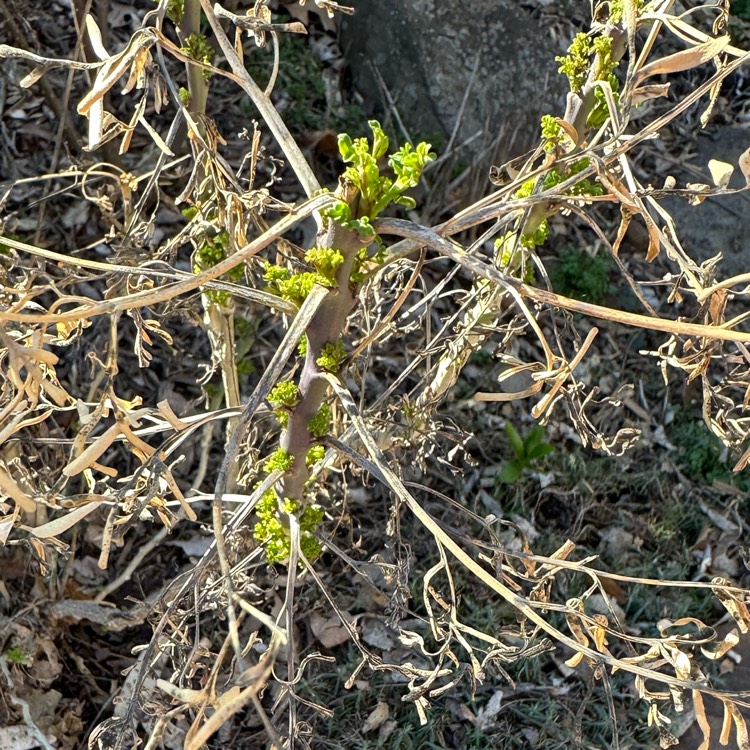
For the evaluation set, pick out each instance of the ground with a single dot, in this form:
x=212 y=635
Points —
x=667 y=507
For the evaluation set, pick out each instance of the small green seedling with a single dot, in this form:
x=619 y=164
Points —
x=527 y=450
x=15 y=655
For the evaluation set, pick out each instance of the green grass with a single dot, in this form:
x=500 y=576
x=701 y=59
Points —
x=537 y=715
x=547 y=711
x=741 y=9
x=301 y=82
x=583 y=276
x=701 y=453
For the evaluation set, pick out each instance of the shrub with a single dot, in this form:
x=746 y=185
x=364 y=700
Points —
x=321 y=312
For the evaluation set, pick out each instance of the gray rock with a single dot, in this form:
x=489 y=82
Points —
x=426 y=52
x=720 y=223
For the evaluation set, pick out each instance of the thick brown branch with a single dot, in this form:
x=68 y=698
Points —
x=326 y=327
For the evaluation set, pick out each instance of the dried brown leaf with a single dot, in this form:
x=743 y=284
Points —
x=599 y=633
x=31 y=78
x=376 y=718
x=155 y=137
x=140 y=447
x=726 y=725
x=699 y=188
x=138 y=70
x=329 y=631
x=93 y=452
x=730 y=640
x=95 y=38
x=702 y=719
x=721 y=172
x=650 y=91
x=6 y=526
x=165 y=409
x=683 y=60
x=570 y=131
x=62 y=524
x=716 y=304
x=740 y=726
x=574 y=660
x=733 y=604
x=744 y=162
x=114 y=69
x=10 y=488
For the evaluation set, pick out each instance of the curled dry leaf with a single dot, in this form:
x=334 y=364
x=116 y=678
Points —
x=702 y=719
x=684 y=60
x=730 y=640
x=10 y=488
x=570 y=131
x=330 y=631
x=733 y=604
x=6 y=526
x=732 y=715
x=744 y=162
x=699 y=189
x=95 y=38
x=62 y=524
x=376 y=718
x=721 y=172
x=651 y=91
x=132 y=60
